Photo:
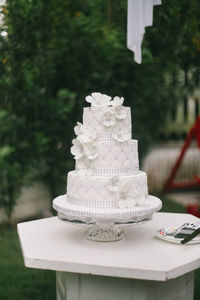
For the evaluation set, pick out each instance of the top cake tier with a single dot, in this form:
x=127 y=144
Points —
x=108 y=118
x=109 y=123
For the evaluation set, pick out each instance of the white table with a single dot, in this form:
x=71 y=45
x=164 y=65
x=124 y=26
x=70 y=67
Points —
x=138 y=267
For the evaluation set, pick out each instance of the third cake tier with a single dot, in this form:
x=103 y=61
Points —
x=107 y=192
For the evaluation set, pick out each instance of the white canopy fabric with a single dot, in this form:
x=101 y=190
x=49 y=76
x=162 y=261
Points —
x=140 y=15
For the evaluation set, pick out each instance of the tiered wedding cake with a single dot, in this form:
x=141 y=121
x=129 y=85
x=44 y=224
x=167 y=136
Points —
x=106 y=182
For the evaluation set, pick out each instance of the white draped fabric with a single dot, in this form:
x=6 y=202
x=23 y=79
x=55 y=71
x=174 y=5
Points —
x=140 y=15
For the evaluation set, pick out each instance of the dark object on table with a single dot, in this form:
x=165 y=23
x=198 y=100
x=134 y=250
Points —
x=184 y=232
x=191 y=236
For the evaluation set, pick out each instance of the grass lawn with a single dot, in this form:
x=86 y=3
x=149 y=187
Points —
x=20 y=283
x=16 y=281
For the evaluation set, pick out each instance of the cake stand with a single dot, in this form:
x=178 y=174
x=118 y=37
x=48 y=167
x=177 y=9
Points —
x=104 y=224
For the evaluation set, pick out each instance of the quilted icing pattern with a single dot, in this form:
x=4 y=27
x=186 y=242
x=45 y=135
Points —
x=92 y=191
x=92 y=117
x=114 y=155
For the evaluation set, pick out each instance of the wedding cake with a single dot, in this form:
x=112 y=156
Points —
x=106 y=180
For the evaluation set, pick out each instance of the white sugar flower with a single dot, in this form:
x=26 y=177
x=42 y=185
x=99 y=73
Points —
x=124 y=191
x=126 y=199
x=87 y=134
x=78 y=128
x=90 y=151
x=121 y=203
x=84 y=133
x=143 y=202
x=83 y=163
x=77 y=149
x=113 y=184
x=126 y=203
x=98 y=99
x=108 y=119
x=117 y=101
x=83 y=169
x=120 y=135
x=131 y=202
x=120 y=113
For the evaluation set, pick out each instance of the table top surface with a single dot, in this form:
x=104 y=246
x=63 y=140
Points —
x=55 y=245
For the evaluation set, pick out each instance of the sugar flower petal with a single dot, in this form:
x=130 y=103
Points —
x=87 y=134
x=144 y=202
x=131 y=202
x=90 y=151
x=83 y=162
x=77 y=149
x=113 y=184
x=121 y=113
x=78 y=128
x=121 y=204
x=120 y=136
x=117 y=101
x=89 y=99
x=83 y=139
x=108 y=119
x=98 y=99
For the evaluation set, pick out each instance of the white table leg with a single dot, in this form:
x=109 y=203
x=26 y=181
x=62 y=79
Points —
x=72 y=286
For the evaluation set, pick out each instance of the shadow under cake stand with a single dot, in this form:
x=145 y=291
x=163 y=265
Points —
x=104 y=224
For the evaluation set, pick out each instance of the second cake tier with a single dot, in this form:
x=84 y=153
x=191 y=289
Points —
x=109 y=158
x=107 y=192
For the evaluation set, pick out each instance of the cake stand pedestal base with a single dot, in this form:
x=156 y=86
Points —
x=103 y=233
x=104 y=223
x=71 y=286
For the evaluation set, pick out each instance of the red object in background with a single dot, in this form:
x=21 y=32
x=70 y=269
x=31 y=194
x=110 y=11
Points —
x=197 y=178
x=193 y=209
x=170 y=184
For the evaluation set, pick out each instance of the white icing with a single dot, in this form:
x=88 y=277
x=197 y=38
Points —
x=107 y=168
x=122 y=157
x=94 y=191
x=97 y=117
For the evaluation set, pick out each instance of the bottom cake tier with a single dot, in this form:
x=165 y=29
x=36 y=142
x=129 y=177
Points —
x=103 y=192
x=88 y=215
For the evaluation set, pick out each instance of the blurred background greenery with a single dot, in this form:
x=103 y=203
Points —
x=54 y=53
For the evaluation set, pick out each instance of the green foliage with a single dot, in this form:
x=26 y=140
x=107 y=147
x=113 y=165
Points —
x=12 y=167
x=57 y=52
x=169 y=205
x=174 y=40
x=16 y=281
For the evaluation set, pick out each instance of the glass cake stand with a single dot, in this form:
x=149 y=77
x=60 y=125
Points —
x=104 y=224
